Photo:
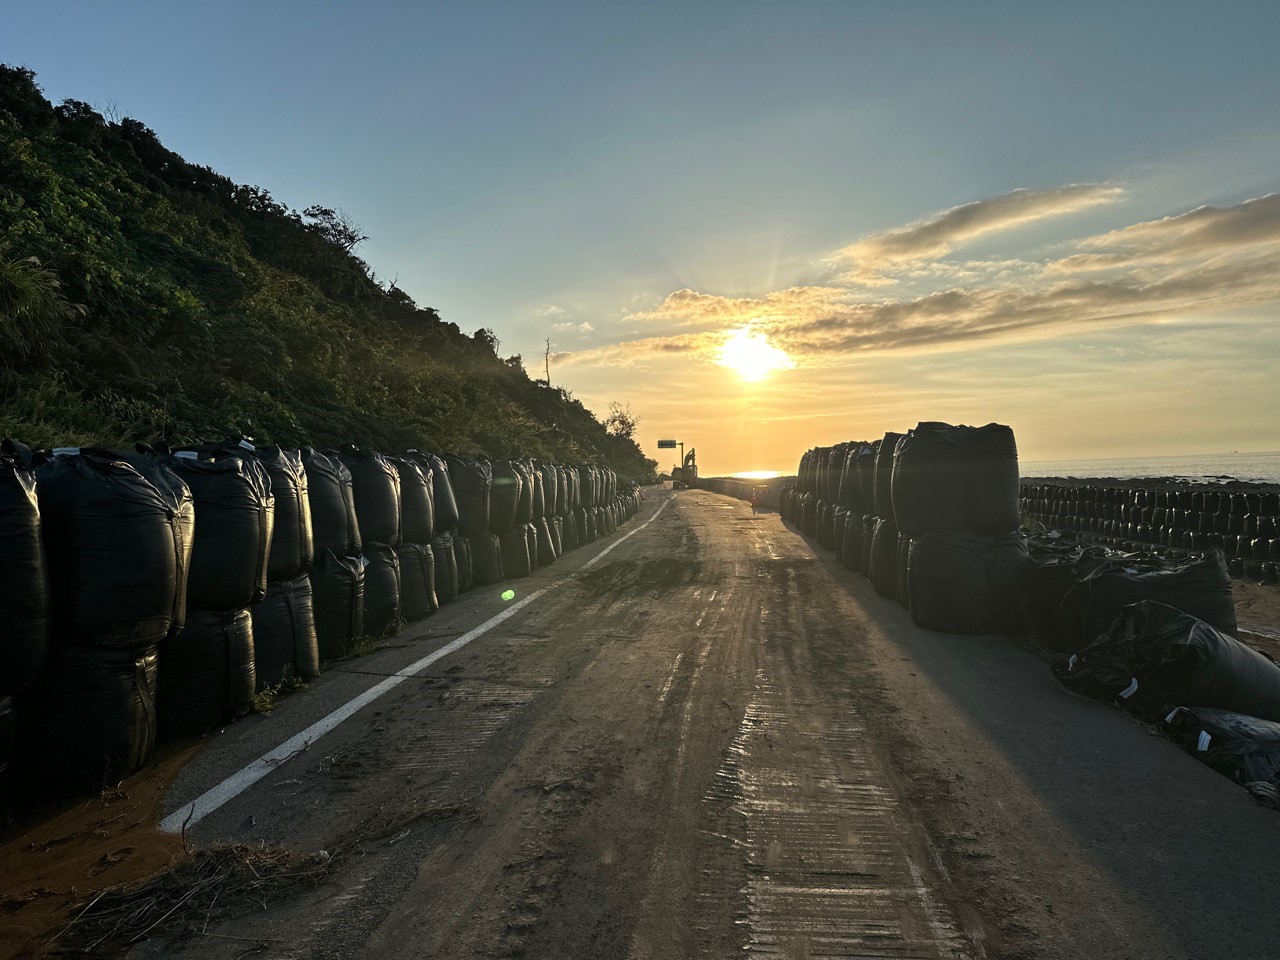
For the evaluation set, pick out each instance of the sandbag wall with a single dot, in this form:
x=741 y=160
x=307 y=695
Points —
x=154 y=593
x=1177 y=520
x=929 y=516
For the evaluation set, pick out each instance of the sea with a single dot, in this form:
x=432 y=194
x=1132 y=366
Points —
x=1258 y=467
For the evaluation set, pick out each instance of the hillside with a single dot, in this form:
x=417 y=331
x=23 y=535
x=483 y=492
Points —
x=143 y=297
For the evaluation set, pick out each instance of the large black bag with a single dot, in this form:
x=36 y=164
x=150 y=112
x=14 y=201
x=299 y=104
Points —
x=24 y=579
x=1201 y=588
x=234 y=512
x=472 y=483
x=284 y=633
x=292 y=543
x=117 y=547
x=504 y=498
x=515 y=553
x=853 y=536
x=446 y=568
x=568 y=533
x=486 y=560
x=546 y=547
x=417 y=501
x=377 y=487
x=337 y=596
x=964 y=478
x=531 y=540
x=443 y=500
x=962 y=582
x=381 y=590
x=1154 y=658
x=90 y=720
x=1243 y=748
x=206 y=673
x=417 y=580
x=462 y=559
x=332 y=497
x=883 y=571
x=865 y=467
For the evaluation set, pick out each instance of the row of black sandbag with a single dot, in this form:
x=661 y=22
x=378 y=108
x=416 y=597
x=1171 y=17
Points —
x=929 y=516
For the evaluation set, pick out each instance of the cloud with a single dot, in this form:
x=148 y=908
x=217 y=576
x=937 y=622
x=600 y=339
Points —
x=873 y=256
x=1210 y=259
x=582 y=329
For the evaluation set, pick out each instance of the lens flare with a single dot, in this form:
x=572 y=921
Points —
x=751 y=356
x=508 y=594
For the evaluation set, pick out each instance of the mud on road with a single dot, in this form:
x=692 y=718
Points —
x=715 y=740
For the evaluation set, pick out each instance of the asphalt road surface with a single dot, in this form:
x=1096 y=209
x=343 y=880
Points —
x=715 y=741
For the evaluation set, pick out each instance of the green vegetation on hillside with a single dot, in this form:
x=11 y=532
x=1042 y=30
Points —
x=145 y=298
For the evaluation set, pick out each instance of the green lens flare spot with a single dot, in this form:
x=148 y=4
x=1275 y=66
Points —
x=508 y=594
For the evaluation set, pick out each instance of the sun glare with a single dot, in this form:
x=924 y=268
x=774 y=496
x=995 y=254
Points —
x=750 y=354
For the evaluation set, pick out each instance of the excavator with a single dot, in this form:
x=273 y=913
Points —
x=684 y=476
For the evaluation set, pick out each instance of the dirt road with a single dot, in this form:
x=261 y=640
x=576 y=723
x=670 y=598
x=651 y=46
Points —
x=713 y=740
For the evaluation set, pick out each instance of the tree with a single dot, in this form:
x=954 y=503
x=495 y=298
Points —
x=621 y=422
x=335 y=226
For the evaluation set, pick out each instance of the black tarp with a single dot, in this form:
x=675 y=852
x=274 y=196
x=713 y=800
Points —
x=376 y=482
x=472 y=484
x=1154 y=658
x=206 y=673
x=284 y=633
x=24 y=578
x=417 y=501
x=417 y=580
x=947 y=477
x=332 y=497
x=337 y=596
x=1244 y=749
x=234 y=511
x=381 y=589
x=962 y=582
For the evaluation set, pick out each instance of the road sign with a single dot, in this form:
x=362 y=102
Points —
x=666 y=444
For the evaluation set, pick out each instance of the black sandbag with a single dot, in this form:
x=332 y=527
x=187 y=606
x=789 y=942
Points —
x=546 y=547
x=504 y=496
x=1244 y=749
x=337 y=598
x=839 y=521
x=882 y=491
x=865 y=467
x=332 y=497
x=904 y=575
x=531 y=539
x=962 y=582
x=550 y=489
x=486 y=559
x=446 y=568
x=472 y=484
x=524 y=507
x=515 y=553
x=883 y=569
x=443 y=500
x=114 y=544
x=555 y=525
x=90 y=720
x=24 y=578
x=417 y=501
x=376 y=482
x=869 y=522
x=234 y=514
x=1154 y=658
x=1049 y=577
x=956 y=477
x=539 y=490
x=292 y=543
x=462 y=557
x=8 y=740
x=417 y=580
x=568 y=533
x=284 y=633
x=206 y=673
x=381 y=590
x=853 y=537
x=1200 y=588
x=581 y=526
x=564 y=496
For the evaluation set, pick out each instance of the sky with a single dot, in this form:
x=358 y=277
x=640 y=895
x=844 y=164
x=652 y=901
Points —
x=769 y=226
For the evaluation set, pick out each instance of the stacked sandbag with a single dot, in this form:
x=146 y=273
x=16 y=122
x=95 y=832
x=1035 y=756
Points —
x=208 y=672
x=24 y=594
x=337 y=573
x=505 y=495
x=1242 y=748
x=486 y=559
x=284 y=635
x=462 y=562
x=380 y=513
x=117 y=544
x=1154 y=658
x=447 y=586
x=954 y=499
x=472 y=485
x=417 y=529
x=515 y=553
x=417 y=580
x=883 y=568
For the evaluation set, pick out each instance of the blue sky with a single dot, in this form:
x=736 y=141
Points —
x=562 y=169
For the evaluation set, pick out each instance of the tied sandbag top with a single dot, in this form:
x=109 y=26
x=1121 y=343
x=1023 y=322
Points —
x=1154 y=658
x=417 y=501
x=234 y=511
x=24 y=578
x=963 y=478
x=472 y=482
x=376 y=482
x=116 y=546
x=332 y=497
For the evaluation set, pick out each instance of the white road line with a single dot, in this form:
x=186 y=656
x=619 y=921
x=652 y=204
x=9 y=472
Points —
x=188 y=815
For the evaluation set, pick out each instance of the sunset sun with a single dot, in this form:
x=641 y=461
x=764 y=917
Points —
x=750 y=354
